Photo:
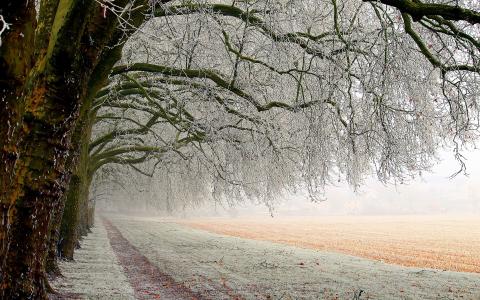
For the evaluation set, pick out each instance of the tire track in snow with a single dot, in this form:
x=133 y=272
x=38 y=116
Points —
x=147 y=280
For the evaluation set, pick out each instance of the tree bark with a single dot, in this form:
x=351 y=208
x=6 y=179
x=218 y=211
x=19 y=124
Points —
x=43 y=91
x=16 y=43
x=76 y=221
x=60 y=225
x=51 y=93
x=40 y=179
x=51 y=263
x=69 y=233
x=83 y=227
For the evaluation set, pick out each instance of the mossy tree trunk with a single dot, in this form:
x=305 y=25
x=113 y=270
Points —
x=43 y=91
x=77 y=194
x=50 y=96
x=75 y=161
x=13 y=71
x=51 y=263
x=63 y=243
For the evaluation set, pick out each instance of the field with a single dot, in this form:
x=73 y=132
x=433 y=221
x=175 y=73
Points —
x=155 y=258
x=439 y=242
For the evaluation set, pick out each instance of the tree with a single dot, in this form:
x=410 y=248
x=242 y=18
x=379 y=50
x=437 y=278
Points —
x=369 y=98
x=280 y=95
x=66 y=54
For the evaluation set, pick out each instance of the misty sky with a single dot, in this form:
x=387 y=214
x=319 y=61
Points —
x=434 y=193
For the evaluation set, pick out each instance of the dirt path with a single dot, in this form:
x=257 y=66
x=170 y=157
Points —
x=107 y=266
x=147 y=280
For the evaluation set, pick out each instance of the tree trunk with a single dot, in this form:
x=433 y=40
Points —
x=91 y=214
x=67 y=206
x=49 y=107
x=39 y=184
x=45 y=73
x=69 y=233
x=17 y=42
x=51 y=263
x=78 y=191
x=83 y=226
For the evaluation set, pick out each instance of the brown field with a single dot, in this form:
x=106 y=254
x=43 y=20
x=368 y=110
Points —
x=440 y=242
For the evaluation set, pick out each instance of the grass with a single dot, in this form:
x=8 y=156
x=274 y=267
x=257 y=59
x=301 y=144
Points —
x=439 y=242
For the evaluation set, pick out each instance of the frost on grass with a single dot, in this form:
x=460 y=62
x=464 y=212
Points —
x=95 y=273
x=439 y=242
x=222 y=267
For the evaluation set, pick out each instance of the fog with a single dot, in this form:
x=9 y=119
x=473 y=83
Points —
x=436 y=192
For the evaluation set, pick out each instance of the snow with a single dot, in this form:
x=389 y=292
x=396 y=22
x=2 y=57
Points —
x=222 y=267
x=95 y=272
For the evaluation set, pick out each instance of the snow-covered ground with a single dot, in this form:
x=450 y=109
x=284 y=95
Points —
x=95 y=272
x=221 y=267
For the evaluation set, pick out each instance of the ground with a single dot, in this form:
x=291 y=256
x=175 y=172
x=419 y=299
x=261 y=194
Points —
x=95 y=273
x=440 y=242
x=156 y=258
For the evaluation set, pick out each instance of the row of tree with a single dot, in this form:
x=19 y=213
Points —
x=222 y=101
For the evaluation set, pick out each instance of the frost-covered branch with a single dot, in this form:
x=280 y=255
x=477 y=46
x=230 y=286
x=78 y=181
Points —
x=4 y=26
x=418 y=10
x=296 y=95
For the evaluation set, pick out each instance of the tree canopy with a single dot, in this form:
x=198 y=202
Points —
x=239 y=99
x=249 y=98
